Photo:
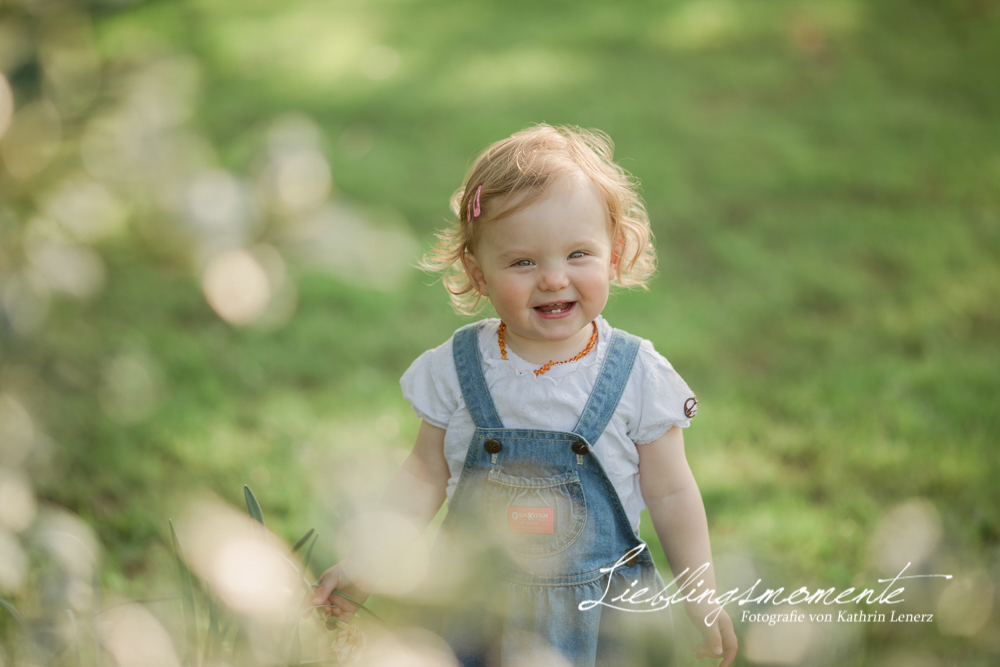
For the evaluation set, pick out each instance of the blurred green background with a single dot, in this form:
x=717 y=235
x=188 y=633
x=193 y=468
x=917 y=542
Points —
x=210 y=212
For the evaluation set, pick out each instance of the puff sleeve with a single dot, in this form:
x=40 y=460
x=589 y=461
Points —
x=431 y=386
x=664 y=400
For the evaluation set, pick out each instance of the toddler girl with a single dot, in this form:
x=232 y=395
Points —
x=548 y=430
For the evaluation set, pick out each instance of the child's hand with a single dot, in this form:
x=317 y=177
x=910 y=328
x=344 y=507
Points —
x=337 y=578
x=719 y=638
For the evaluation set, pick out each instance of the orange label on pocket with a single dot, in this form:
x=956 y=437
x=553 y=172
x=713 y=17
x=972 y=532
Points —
x=530 y=519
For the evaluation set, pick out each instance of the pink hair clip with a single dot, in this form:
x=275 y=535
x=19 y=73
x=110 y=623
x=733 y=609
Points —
x=474 y=211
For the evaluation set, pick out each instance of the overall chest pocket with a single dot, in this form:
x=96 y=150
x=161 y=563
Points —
x=535 y=516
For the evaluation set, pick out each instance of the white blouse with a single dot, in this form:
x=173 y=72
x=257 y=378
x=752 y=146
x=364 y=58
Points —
x=655 y=399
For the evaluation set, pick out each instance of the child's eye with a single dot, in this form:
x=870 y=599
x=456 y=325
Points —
x=522 y=262
x=577 y=255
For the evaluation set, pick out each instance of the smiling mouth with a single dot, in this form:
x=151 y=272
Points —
x=555 y=308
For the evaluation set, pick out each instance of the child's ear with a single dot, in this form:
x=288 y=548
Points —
x=617 y=248
x=475 y=272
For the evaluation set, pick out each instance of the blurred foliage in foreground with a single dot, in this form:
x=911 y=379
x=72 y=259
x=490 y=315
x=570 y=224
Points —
x=209 y=211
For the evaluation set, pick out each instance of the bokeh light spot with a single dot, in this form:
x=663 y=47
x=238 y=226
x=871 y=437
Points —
x=162 y=95
x=6 y=105
x=407 y=647
x=25 y=301
x=387 y=427
x=778 y=644
x=218 y=204
x=71 y=64
x=32 y=139
x=135 y=638
x=908 y=533
x=398 y=557
x=357 y=140
x=17 y=500
x=379 y=62
x=698 y=24
x=345 y=242
x=15 y=43
x=260 y=475
x=86 y=209
x=13 y=563
x=70 y=541
x=17 y=431
x=297 y=181
x=236 y=286
x=249 y=568
x=965 y=604
x=68 y=268
x=130 y=387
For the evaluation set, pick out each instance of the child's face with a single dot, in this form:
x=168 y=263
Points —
x=547 y=268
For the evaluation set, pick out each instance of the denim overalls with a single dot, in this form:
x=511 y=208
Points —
x=547 y=499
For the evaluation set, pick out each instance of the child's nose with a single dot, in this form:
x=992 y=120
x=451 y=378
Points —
x=554 y=279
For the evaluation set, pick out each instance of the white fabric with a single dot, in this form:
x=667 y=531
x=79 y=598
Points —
x=653 y=402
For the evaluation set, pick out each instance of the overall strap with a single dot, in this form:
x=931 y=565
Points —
x=609 y=386
x=469 y=366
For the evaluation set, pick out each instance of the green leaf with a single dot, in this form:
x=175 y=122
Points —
x=252 y=505
x=187 y=595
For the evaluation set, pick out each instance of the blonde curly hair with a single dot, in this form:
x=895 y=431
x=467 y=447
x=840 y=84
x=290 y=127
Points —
x=525 y=164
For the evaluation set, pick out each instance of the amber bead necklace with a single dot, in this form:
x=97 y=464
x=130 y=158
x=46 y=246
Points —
x=549 y=364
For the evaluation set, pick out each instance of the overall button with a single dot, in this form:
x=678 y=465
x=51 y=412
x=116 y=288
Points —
x=580 y=447
x=492 y=446
x=632 y=560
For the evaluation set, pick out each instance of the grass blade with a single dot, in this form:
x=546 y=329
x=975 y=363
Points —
x=98 y=659
x=361 y=607
x=252 y=505
x=13 y=612
x=310 y=589
x=162 y=598
x=302 y=540
x=213 y=640
x=309 y=553
x=187 y=595
x=76 y=636
x=295 y=652
x=240 y=647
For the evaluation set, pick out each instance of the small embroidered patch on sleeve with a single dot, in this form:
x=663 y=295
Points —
x=691 y=407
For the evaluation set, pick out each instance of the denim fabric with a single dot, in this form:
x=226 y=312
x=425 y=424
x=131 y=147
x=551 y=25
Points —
x=539 y=579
